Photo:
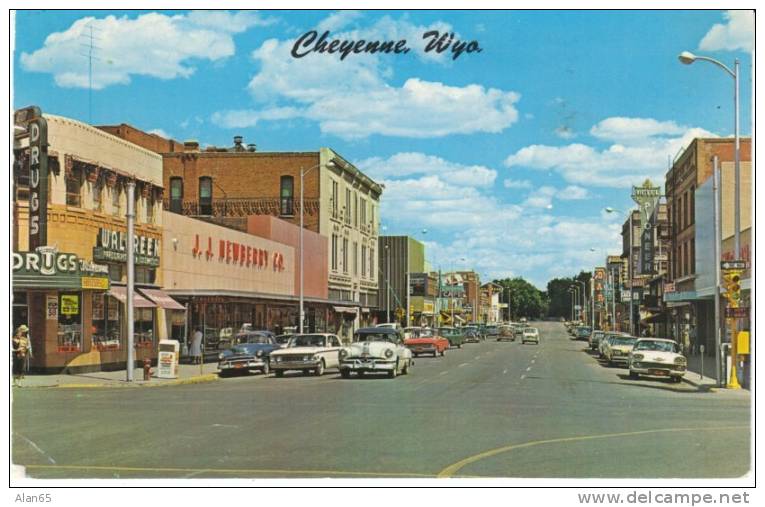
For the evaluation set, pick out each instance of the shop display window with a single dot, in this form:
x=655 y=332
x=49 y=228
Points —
x=106 y=323
x=70 y=322
x=143 y=328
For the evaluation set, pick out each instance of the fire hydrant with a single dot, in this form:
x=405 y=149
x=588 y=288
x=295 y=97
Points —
x=147 y=369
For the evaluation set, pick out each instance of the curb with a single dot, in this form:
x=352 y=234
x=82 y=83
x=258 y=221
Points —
x=199 y=379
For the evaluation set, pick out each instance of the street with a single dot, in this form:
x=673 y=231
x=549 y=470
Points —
x=485 y=410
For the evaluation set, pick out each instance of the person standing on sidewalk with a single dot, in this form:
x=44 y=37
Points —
x=21 y=348
x=196 y=347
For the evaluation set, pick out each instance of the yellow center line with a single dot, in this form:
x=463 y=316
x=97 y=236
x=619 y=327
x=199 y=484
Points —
x=456 y=467
x=234 y=471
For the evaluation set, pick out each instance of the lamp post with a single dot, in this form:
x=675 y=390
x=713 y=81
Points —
x=688 y=58
x=571 y=291
x=303 y=172
x=575 y=290
x=583 y=311
x=629 y=266
x=387 y=281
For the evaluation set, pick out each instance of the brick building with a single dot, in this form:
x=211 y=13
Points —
x=227 y=185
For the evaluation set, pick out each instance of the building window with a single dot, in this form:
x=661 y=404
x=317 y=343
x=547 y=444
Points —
x=372 y=225
x=348 y=206
x=692 y=205
x=69 y=323
x=287 y=194
x=692 y=257
x=150 y=203
x=116 y=200
x=334 y=252
x=145 y=275
x=176 y=195
x=680 y=217
x=363 y=261
x=98 y=188
x=334 y=199
x=355 y=258
x=356 y=210
x=345 y=255
x=372 y=264
x=205 y=195
x=363 y=204
x=73 y=187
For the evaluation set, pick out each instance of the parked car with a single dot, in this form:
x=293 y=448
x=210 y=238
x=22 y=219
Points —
x=250 y=351
x=530 y=334
x=618 y=349
x=603 y=343
x=506 y=332
x=657 y=357
x=582 y=333
x=518 y=330
x=453 y=334
x=376 y=349
x=308 y=353
x=426 y=341
x=595 y=338
x=391 y=325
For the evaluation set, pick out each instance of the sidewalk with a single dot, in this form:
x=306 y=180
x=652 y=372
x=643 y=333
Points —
x=187 y=374
x=694 y=374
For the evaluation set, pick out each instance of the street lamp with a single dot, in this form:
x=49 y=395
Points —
x=688 y=58
x=629 y=266
x=387 y=281
x=583 y=311
x=575 y=290
x=303 y=172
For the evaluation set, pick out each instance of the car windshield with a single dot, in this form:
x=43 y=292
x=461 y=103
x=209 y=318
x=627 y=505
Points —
x=530 y=330
x=252 y=338
x=656 y=345
x=375 y=337
x=624 y=341
x=241 y=349
x=427 y=333
x=283 y=339
x=309 y=340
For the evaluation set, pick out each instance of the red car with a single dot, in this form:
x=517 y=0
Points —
x=424 y=341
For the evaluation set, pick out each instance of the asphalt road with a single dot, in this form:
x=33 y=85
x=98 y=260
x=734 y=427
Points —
x=486 y=410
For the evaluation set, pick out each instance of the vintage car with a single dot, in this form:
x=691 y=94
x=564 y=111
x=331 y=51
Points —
x=284 y=339
x=376 y=349
x=426 y=341
x=307 y=353
x=506 y=332
x=618 y=349
x=582 y=333
x=530 y=334
x=472 y=334
x=657 y=357
x=603 y=343
x=595 y=338
x=249 y=351
x=491 y=331
x=453 y=334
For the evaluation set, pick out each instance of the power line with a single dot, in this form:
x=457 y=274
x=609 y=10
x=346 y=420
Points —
x=91 y=49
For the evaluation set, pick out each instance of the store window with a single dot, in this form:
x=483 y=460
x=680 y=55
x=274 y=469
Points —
x=176 y=195
x=106 y=323
x=144 y=328
x=145 y=275
x=20 y=310
x=286 y=194
x=205 y=195
x=69 y=334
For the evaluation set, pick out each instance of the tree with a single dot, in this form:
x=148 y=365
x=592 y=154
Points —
x=558 y=295
x=525 y=299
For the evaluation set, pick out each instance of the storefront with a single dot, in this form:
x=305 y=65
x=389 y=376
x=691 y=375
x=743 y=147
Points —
x=53 y=294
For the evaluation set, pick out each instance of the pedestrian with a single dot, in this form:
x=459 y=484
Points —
x=196 y=347
x=21 y=349
x=692 y=336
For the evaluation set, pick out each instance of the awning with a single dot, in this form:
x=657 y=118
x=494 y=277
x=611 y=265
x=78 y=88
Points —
x=345 y=309
x=138 y=301
x=162 y=299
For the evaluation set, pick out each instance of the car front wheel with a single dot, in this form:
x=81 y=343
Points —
x=392 y=373
x=345 y=373
x=319 y=371
x=266 y=368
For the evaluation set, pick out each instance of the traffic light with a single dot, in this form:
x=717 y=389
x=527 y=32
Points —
x=732 y=281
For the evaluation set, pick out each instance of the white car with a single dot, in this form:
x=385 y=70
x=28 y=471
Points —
x=618 y=348
x=307 y=353
x=376 y=349
x=657 y=357
x=530 y=334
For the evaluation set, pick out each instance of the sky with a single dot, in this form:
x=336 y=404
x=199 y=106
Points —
x=501 y=160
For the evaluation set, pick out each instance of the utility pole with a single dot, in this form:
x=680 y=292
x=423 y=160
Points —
x=130 y=277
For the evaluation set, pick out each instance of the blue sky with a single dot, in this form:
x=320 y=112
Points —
x=506 y=157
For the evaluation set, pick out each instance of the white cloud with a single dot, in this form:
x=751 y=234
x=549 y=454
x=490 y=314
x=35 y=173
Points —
x=154 y=45
x=640 y=149
x=573 y=193
x=338 y=20
x=736 y=34
x=354 y=98
x=413 y=164
x=510 y=183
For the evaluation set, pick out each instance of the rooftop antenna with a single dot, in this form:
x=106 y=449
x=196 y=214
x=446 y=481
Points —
x=91 y=48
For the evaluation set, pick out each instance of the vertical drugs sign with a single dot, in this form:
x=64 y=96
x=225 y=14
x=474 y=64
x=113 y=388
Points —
x=37 y=130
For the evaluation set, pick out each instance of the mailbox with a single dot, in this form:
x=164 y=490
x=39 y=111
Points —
x=167 y=361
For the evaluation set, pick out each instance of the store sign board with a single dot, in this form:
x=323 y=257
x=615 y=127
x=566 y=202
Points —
x=233 y=252
x=111 y=246
x=70 y=304
x=37 y=127
x=51 y=307
x=47 y=267
x=647 y=197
